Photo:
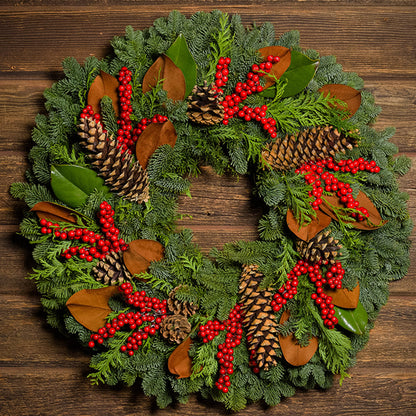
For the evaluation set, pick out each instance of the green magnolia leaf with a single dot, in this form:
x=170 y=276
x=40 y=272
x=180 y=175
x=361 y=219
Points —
x=353 y=320
x=301 y=70
x=182 y=58
x=72 y=184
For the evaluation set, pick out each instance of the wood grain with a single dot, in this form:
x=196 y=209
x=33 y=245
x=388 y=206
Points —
x=44 y=373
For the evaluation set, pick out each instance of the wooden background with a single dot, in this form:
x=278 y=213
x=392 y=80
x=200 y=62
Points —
x=42 y=373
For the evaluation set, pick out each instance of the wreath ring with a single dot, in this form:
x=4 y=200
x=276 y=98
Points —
x=255 y=320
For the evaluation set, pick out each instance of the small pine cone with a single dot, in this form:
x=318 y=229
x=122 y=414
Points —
x=204 y=105
x=127 y=179
x=259 y=320
x=111 y=270
x=175 y=328
x=309 y=145
x=180 y=308
x=321 y=247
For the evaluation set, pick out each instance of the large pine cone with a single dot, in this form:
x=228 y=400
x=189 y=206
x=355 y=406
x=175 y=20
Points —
x=180 y=308
x=204 y=105
x=309 y=145
x=111 y=270
x=322 y=247
x=259 y=320
x=175 y=328
x=126 y=178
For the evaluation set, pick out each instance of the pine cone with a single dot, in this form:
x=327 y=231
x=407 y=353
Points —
x=307 y=146
x=204 y=105
x=111 y=270
x=321 y=247
x=175 y=328
x=180 y=308
x=126 y=178
x=259 y=320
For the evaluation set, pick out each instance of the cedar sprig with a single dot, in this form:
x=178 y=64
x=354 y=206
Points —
x=220 y=45
x=306 y=110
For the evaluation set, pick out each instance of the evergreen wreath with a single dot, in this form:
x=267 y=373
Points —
x=255 y=320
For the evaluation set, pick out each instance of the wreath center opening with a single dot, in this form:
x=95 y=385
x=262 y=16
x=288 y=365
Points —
x=221 y=209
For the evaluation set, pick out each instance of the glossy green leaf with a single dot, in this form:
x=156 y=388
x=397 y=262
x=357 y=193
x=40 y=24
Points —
x=300 y=72
x=353 y=320
x=182 y=58
x=72 y=184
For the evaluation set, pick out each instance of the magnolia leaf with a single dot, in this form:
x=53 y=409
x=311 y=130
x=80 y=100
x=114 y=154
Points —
x=353 y=320
x=55 y=212
x=90 y=306
x=331 y=202
x=171 y=77
x=307 y=230
x=104 y=84
x=350 y=96
x=140 y=254
x=155 y=135
x=344 y=298
x=182 y=58
x=293 y=352
x=301 y=70
x=179 y=362
x=72 y=184
x=278 y=68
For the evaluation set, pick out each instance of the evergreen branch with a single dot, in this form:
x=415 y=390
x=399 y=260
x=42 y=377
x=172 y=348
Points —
x=306 y=110
x=298 y=199
x=221 y=44
x=106 y=362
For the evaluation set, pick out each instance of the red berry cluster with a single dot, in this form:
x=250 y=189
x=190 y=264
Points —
x=124 y=132
x=320 y=179
x=332 y=279
x=243 y=90
x=89 y=112
x=225 y=354
x=221 y=76
x=99 y=245
x=287 y=291
x=144 y=323
x=144 y=122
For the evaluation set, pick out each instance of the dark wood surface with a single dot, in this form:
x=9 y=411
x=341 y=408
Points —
x=42 y=373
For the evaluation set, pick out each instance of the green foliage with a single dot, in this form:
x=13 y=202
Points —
x=374 y=258
x=306 y=110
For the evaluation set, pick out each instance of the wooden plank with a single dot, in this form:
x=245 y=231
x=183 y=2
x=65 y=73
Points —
x=26 y=33
x=349 y=400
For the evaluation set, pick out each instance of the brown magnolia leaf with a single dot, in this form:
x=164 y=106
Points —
x=279 y=68
x=90 y=306
x=55 y=212
x=373 y=221
x=155 y=135
x=140 y=254
x=171 y=77
x=294 y=353
x=309 y=230
x=350 y=96
x=104 y=84
x=344 y=298
x=179 y=362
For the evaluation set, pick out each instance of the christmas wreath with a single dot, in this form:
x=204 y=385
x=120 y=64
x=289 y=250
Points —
x=257 y=319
